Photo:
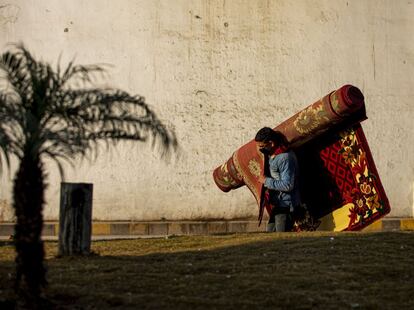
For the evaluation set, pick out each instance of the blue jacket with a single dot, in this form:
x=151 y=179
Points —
x=284 y=180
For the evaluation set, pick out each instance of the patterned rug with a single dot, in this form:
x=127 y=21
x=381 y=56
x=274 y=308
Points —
x=340 y=185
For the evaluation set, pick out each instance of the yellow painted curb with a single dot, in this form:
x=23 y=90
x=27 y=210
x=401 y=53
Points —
x=407 y=224
x=376 y=226
x=101 y=229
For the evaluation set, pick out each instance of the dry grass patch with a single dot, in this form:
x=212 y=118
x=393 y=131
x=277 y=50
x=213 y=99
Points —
x=240 y=271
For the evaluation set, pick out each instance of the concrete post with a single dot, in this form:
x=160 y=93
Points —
x=75 y=219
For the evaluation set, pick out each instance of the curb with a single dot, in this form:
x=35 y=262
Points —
x=391 y=224
x=194 y=227
x=152 y=228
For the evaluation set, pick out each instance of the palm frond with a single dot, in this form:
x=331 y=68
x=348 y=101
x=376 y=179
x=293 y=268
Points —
x=4 y=149
x=18 y=76
x=91 y=115
x=84 y=73
x=45 y=113
x=10 y=132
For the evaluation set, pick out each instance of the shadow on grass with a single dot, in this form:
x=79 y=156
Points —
x=343 y=271
x=5 y=243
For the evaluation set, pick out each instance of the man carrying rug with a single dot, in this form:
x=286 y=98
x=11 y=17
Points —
x=280 y=178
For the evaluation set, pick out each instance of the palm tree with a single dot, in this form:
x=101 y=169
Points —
x=58 y=114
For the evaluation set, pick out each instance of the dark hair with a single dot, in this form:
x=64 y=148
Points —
x=267 y=134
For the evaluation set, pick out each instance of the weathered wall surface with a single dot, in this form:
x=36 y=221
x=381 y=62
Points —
x=217 y=71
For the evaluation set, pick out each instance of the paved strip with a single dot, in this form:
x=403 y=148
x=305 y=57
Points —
x=119 y=230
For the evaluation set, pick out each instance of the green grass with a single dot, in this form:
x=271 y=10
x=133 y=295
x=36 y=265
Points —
x=239 y=271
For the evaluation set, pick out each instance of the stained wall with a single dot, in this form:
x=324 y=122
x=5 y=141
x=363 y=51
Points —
x=216 y=71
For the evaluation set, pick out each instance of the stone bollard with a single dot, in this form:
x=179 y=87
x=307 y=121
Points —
x=75 y=219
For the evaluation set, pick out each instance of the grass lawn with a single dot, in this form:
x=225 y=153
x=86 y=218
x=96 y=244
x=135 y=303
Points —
x=238 y=271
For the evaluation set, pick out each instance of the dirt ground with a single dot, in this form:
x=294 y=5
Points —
x=238 y=271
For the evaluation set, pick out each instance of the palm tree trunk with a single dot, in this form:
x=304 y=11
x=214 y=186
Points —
x=28 y=192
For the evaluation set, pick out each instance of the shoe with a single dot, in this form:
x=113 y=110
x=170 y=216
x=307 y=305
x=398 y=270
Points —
x=270 y=227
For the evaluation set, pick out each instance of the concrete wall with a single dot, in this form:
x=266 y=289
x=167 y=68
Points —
x=216 y=71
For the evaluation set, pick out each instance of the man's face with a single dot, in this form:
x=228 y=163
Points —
x=266 y=148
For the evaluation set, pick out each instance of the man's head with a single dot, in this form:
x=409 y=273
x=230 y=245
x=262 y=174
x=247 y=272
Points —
x=268 y=140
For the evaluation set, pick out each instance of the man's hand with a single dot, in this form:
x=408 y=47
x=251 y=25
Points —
x=262 y=178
